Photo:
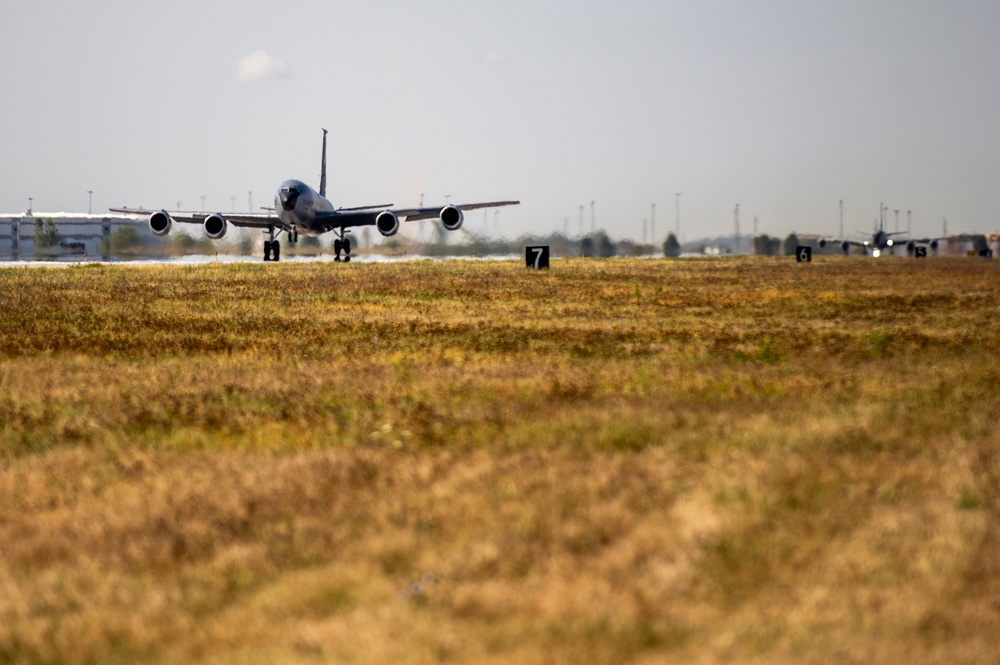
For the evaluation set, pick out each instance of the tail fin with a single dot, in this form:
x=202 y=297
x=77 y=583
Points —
x=322 y=173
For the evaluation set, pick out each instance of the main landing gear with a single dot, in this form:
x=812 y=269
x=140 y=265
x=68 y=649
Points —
x=341 y=244
x=272 y=248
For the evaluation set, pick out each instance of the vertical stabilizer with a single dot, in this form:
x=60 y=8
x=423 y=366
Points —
x=322 y=172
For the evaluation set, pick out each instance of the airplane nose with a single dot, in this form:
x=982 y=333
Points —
x=288 y=198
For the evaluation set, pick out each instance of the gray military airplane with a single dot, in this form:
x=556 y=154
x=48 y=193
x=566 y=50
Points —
x=298 y=208
x=882 y=241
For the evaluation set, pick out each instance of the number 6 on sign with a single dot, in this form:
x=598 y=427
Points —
x=536 y=257
x=803 y=254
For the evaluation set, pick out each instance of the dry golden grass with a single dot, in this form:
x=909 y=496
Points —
x=613 y=461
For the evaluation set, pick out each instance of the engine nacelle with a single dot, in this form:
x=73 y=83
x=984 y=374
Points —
x=160 y=223
x=216 y=226
x=822 y=242
x=934 y=245
x=846 y=246
x=451 y=218
x=387 y=223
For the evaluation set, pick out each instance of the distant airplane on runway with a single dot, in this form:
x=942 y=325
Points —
x=298 y=208
x=882 y=240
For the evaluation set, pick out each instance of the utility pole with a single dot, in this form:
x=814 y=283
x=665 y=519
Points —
x=90 y=199
x=29 y=205
x=677 y=219
x=897 y=220
x=841 y=219
x=736 y=221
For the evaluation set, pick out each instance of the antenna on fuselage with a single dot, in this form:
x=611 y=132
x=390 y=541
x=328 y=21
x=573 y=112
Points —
x=322 y=172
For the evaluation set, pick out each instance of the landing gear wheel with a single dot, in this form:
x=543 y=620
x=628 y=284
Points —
x=276 y=249
x=267 y=250
x=347 y=245
x=338 y=246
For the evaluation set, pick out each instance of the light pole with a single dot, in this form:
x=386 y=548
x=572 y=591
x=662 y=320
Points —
x=593 y=218
x=897 y=220
x=736 y=222
x=90 y=199
x=29 y=205
x=909 y=227
x=677 y=219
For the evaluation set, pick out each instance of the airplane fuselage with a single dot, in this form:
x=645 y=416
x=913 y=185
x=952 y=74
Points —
x=297 y=205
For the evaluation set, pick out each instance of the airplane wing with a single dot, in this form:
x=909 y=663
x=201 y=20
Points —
x=413 y=214
x=255 y=220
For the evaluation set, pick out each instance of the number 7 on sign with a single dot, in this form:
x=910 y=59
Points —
x=537 y=257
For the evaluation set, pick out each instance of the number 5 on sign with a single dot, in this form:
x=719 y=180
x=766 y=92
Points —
x=536 y=257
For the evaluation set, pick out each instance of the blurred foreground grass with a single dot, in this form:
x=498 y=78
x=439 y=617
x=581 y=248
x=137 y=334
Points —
x=613 y=461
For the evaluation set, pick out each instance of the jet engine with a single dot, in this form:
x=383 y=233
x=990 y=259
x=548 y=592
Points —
x=934 y=245
x=215 y=226
x=387 y=223
x=160 y=223
x=846 y=246
x=822 y=242
x=451 y=218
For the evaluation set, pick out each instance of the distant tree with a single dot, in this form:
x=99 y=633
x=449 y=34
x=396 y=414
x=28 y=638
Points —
x=671 y=247
x=311 y=242
x=587 y=246
x=789 y=245
x=605 y=246
x=763 y=245
x=46 y=233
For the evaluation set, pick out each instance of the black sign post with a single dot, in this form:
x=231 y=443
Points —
x=537 y=257
x=803 y=254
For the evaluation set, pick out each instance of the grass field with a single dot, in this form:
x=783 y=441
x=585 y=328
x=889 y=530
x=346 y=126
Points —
x=642 y=461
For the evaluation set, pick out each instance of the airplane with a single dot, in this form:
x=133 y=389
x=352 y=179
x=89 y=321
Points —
x=882 y=241
x=298 y=208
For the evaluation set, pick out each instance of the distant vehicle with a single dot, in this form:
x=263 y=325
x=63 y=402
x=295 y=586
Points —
x=298 y=208
x=72 y=246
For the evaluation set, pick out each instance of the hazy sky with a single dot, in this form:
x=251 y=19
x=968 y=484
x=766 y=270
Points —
x=782 y=106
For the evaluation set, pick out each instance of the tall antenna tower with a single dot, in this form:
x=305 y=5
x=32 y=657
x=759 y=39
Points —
x=90 y=199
